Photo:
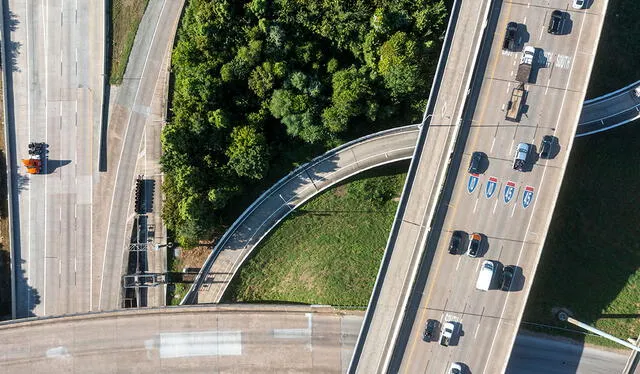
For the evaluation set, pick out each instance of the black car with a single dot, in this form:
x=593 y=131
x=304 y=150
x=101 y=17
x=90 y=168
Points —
x=429 y=330
x=556 y=22
x=507 y=277
x=475 y=164
x=455 y=245
x=509 y=42
x=546 y=147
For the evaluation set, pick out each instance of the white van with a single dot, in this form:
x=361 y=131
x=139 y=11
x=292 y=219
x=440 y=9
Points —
x=485 y=276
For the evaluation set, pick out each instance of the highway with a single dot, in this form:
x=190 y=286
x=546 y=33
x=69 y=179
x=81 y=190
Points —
x=608 y=111
x=56 y=88
x=512 y=210
x=238 y=338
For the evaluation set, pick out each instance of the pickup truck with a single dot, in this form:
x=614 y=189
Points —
x=520 y=158
x=509 y=42
x=446 y=333
x=524 y=69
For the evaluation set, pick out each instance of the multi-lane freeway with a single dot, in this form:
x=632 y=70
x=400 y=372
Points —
x=511 y=209
x=55 y=86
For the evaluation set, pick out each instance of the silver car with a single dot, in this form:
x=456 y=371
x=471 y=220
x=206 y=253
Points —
x=578 y=4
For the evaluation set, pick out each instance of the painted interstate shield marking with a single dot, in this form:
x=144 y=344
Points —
x=509 y=191
x=492 y=186
x=473 y=183
x=527 y=197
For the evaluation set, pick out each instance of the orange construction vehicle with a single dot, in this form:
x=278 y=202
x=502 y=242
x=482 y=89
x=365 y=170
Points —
x=37 y=153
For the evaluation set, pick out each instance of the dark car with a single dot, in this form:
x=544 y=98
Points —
x=429 y=330
x=507 y=277
x=509 y=42
x=556 y=22
x=546 y=147
x=475 y=240
x=455 y=245
x=475 y=164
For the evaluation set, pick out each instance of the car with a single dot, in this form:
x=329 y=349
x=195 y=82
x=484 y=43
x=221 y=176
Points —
x=429 y=330
x=546 y=147
x=507 y=277
x=556 y=22
x=456 y=242
x=510 y=36
x=637 y=91
x=475 y=164
x=578 y=4
x=475 y=240
x=455 y=368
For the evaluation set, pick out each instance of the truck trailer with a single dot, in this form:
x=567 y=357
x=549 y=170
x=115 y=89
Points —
x=524 y=69
x=515 y=103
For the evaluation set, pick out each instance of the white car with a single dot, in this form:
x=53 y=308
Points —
x=578 y=4
x=455 y=368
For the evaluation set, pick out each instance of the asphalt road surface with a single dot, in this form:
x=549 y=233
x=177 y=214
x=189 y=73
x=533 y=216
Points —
x=511 y=209
x=56 y=87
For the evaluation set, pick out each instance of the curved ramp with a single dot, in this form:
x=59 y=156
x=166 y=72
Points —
x=287 y=194
x=599 y=114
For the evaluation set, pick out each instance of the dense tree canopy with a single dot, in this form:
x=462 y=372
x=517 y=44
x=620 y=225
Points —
x=254 y=80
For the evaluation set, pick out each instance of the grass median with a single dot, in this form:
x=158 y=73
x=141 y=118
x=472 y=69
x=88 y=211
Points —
x=125 y=19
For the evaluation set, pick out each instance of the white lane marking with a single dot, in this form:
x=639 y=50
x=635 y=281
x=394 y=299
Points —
x=544 y=171
x=458 y=264
x=514 y=209
x=492 y=144
x=494 y=207
x=510 y=148
x=541 y=31
x=46 y=139
x=477 y=329
x=547 y=89
x=524 y=20
x=475 y=205
x=135 y=97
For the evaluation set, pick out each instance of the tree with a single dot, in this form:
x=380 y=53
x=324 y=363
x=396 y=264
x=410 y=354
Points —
x=399 y=65
x=247 y=153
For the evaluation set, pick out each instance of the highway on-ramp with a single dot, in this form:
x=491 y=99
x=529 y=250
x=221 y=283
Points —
x=55 y=86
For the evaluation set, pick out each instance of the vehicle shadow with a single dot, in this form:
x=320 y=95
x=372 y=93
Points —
x=523 y=37
x=53 y=165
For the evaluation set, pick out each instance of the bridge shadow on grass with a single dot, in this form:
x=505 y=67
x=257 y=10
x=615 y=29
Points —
x=591 y=259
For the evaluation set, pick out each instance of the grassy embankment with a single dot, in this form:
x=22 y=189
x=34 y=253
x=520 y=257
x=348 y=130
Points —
x=591 y=258
x=329 y=250
x=125 y=18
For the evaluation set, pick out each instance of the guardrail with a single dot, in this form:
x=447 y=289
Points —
x=191 y=295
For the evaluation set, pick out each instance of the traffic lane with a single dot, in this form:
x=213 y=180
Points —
x=611 y=106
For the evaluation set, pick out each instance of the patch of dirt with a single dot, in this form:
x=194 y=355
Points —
x=194 y=257
x=340 y=191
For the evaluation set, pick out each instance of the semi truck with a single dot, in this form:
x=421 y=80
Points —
x=37 y=155
x=524 y=69
x=515 y=103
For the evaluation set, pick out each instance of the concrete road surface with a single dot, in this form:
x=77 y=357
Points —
x=235 y=338
x=534 y=354
x=56 y=90
x=511 y=209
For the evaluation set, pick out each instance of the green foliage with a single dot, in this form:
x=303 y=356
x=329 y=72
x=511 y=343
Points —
x=248 y=153
x=376 y=190
x=261 y=76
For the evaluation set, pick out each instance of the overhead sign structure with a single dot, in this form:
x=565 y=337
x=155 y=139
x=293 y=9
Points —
x=492 y=186
x=473 y=183
x=509 y=191
x=527 y=197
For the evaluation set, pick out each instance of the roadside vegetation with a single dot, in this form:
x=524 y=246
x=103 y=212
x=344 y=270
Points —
x=262 y=86
x=125 y=18
x=329 y=250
